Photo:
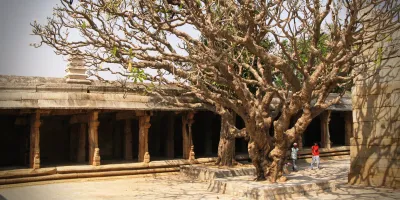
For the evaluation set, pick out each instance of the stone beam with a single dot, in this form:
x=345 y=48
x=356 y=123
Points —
x=125 y=115
x=34 y=111
x=141 y=113
x=75 y=119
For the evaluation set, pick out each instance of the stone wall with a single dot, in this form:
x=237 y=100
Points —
x=375 y=146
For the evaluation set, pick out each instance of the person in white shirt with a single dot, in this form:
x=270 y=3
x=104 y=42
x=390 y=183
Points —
x=293 y=155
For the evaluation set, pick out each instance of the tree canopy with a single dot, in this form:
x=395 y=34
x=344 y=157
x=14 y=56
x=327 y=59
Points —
x=318 y=46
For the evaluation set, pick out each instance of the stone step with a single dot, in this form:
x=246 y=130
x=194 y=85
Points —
x=244 y=186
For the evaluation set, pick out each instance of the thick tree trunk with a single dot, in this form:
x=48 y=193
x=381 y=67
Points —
x=226 y=146
x=267 y=159
x=226 y=152
x=258 y=153
x=268 y=153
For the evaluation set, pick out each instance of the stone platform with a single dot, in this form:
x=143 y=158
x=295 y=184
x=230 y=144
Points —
x=239 y=182
x=210 y=172
x=88 y=171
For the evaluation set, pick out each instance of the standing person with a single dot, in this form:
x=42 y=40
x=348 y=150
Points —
x=315 y=155
x=294 y=156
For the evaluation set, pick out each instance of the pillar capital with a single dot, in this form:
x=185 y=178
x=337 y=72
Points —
x=94 y=123
x=36 y=124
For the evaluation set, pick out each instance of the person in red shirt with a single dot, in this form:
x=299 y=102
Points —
x=315 y=155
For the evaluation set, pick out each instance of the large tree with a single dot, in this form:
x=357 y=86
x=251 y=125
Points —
x=228 y=66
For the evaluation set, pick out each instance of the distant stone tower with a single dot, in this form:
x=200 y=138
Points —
x=76 y=71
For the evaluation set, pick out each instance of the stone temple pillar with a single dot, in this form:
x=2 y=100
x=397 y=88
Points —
x=34 y=157
x=325 y=136
x=144 y=125
x=94 y=151
x=187 y=122
x=128 y=140
x=81 y=154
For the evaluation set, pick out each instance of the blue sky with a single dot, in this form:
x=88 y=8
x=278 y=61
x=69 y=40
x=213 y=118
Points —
x=17 y=57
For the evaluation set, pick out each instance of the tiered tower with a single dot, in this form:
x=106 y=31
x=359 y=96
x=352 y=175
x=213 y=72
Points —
x=76 y=71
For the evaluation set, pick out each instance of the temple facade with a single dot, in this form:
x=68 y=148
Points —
x=73 y=121
x=54 y=122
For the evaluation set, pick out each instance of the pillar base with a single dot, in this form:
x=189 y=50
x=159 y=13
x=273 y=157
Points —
x=146 y=158
x=192 y=154
x=36 y=161
x=96 y=157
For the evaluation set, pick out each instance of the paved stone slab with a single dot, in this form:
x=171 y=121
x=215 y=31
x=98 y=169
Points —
x=344 y=191
x=121 y=188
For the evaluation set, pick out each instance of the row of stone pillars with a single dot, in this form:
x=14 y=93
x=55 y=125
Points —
x=94 y=151
x=325 y=118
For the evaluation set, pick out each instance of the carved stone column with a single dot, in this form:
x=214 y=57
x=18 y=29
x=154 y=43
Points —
x=81 y=154
x=325 y=136
x=187 y=121
x=34 y=158
x=348 y=125
x=144 y=125
x=170 y=136
x=94 y=151
x=128 y=140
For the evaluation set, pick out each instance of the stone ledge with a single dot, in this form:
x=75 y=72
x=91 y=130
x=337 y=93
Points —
x=245 y=187
x=88 y=171
x=207 y=173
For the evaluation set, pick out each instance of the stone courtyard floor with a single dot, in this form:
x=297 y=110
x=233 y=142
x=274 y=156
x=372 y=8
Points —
x=149 y=187
x=176 y=186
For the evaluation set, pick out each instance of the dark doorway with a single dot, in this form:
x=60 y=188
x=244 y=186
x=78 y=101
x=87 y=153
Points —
x=216 y=128
x=106 y=137
x=178 y=139
x=55 y=140
x=14 y=143
x=337 y=128
x=312 y=133
x=198 y=129
x=240 y=143
x=157 y=137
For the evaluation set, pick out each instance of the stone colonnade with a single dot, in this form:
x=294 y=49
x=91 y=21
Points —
x=88 y=126
x=325 y=118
